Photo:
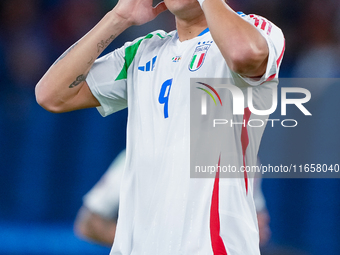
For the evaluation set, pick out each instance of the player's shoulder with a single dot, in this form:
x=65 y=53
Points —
x=153 y=38
x=162 y=34
x=158 y=37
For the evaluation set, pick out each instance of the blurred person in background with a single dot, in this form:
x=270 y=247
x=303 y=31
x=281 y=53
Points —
x=97 y=218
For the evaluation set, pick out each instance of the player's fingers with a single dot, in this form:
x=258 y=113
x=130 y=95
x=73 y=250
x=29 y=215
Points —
x=161 y=7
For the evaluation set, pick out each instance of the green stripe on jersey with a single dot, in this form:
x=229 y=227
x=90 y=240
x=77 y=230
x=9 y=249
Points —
x=130 y=53
x=193 y=61
x=160 y=36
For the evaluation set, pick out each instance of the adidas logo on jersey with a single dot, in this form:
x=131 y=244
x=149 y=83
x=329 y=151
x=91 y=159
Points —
x=149 y=66
x=198 y=57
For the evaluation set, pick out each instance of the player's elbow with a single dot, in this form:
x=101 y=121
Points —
x=47 y=103
x=46 y=98
x=250 y=62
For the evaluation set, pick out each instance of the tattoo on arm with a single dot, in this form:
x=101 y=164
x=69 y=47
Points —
x=65 y=53
x=90 y=61
x=103 y=44
x=78 y=80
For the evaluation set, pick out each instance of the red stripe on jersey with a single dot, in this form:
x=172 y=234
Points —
x=245 y=142
x=270 y=26
x=216 y=240
x=201 y=60
x=264 y=23
x=278 y=61
x=271 y=77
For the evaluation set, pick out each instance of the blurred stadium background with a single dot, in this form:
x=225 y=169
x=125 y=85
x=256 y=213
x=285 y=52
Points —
x=49 y=161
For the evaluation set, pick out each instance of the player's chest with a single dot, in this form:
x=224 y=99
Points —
x=176 y=63
x=183 y=60
x=162 y=76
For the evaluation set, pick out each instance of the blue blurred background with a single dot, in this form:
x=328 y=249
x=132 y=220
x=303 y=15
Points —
x=49 y=161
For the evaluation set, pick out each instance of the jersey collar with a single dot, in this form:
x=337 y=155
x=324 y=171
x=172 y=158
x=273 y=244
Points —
x=204 y=31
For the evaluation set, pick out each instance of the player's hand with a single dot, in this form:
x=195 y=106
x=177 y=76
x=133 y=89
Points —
x=138 y=12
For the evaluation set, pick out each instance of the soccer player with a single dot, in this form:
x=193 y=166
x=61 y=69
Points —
x=163 y=210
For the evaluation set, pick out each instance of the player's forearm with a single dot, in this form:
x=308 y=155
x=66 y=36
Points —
x=65 y=78
x=93 y=227
x=243 y=47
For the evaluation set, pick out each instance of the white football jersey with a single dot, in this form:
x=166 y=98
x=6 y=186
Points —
x=162 y=210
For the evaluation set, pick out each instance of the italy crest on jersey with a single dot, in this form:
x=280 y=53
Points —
x=198 y=57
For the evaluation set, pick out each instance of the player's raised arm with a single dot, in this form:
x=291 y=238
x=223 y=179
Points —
x=63 y=87
x=241 y=44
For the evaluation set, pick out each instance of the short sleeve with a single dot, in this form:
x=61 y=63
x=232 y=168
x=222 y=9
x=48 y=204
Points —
x=103 y=198
x=276 y=45
x=102 y=80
